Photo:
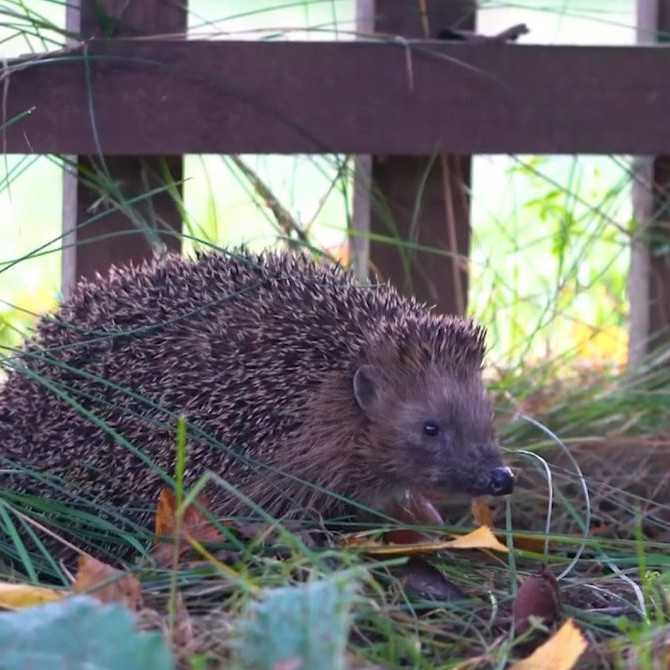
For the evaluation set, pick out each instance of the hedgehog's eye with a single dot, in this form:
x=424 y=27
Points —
x=431 y=428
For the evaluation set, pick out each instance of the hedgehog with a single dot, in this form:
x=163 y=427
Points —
x=301 y=388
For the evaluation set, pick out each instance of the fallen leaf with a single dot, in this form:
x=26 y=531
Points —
x=413 y=508
x=538 y=596
x=481 y=512
x=194 y=525
x=534 y=544
x=422 y=579
x=165 y=520
x=107 y=584
x=482 y=538
x=18 y=596
x=560 y=652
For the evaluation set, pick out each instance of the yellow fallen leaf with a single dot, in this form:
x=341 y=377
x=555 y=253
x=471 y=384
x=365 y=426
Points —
x=482 y=538
x=17 y=596
x=560 y=652
x=483 y=516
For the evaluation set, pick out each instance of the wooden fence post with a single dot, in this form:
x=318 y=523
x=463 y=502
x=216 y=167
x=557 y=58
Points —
x=423 y=199
x=132 y=230
x=649 y=276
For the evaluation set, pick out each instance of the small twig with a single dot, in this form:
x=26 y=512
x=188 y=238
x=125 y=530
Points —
x=284 y=218
x=341 y=170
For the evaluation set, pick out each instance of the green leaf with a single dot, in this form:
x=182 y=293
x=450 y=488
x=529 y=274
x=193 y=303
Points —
x=306 y=626
x=78 y=634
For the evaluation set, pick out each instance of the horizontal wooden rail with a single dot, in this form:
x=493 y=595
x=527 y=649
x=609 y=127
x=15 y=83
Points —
x=170 y=97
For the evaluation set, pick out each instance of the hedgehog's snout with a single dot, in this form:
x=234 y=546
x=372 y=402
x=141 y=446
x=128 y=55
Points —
x=499 y=482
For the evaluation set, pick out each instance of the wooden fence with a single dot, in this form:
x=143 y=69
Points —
x=134 y=106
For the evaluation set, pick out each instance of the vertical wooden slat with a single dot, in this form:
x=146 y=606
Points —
x=639 y=270
x=423 y=200
x=659 y=246
x=359 y=232
x=133 y=230
x=649 y=278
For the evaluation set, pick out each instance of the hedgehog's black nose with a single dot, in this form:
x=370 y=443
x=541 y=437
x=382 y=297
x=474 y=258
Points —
x=501 y=482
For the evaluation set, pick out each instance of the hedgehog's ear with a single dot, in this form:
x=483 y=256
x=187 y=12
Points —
x=367 y=387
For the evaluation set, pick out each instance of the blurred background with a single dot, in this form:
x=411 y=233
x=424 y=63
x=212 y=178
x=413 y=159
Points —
x=551 y=235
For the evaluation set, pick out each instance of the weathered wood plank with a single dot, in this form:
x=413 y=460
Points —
x=423 y=200
x=199 y=97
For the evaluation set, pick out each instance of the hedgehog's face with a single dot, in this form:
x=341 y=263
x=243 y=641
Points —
x=435 y=432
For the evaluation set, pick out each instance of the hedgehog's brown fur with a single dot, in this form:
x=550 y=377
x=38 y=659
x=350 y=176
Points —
x=258 y=353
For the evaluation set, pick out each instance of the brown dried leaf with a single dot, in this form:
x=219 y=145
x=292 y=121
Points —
x=538 y=596
x=534 y=544
x=165 y=520
x=560 y=652
x=107 y=584
x=422 y=579
x=194 y=526
x=413 y=508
